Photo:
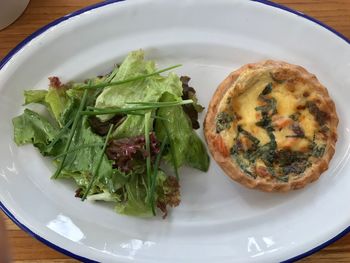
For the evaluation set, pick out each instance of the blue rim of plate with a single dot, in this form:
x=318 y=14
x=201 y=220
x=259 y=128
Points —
x=98 y=5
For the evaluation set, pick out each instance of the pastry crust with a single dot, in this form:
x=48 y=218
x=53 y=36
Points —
x=221 y=151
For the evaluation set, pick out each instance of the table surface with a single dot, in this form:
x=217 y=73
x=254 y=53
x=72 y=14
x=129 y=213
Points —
x=24 y=248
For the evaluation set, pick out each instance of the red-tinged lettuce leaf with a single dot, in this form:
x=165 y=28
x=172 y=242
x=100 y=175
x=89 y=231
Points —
x=129 y=153
x=168 y=192
x=193 y=109
x=101 y=127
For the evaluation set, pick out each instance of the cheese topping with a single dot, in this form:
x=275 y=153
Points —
x=272 y=127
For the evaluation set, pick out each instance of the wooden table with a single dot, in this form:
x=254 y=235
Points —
x=24 y=248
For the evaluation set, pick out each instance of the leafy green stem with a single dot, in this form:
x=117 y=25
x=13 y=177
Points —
x=148 y=148
x=59 y=134
x=99 y=111
x=155 y=103
x=95 y=174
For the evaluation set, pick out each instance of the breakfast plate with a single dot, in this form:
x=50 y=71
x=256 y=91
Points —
x=217 y=220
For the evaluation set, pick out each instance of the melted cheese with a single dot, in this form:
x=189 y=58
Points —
x=308 y=123
x=288 y=99
x=244 y=105
x=294 y=144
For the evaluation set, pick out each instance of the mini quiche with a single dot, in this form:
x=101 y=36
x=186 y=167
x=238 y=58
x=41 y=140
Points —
x=272 y=126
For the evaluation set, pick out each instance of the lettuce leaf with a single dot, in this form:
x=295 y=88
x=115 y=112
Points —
x=55 y=100
x=145 y=90
x=135 y=201
x=188 y=147
x=84 y=160
x=168 y=192
x=35 y=96
x=63 y=101
x=30 y=127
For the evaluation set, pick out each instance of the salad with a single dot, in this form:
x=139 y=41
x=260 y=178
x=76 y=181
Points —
x=115 y=135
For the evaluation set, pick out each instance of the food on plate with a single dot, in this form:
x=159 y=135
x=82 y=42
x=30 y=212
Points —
x=112 y=134
x=272 y=126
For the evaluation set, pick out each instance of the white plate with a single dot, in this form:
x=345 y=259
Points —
x=218 y=220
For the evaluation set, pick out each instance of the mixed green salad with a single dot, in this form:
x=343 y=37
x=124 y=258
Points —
x=114 y=135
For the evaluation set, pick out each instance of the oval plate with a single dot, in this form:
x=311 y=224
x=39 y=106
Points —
x=218 y=220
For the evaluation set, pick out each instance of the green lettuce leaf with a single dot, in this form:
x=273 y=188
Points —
x=99 y=191
x=35 y=96
x=55 y=100
x=133 y=65
x=104 y=196
x=188 y=147
x=80 y=166
x=135 y=199
x=63 y=102
x=145 y=90
x=85 y=159
x=30 y=127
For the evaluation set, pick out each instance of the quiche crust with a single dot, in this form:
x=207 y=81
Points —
x=235 y=85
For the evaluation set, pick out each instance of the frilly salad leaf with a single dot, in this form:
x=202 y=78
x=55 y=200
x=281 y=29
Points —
x=193 y=109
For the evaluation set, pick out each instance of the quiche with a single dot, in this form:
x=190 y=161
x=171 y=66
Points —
x=272 y=126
